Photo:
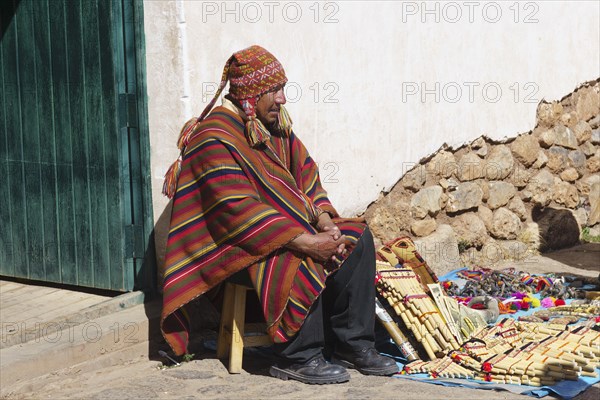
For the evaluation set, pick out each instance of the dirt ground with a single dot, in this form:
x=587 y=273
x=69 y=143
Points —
x=125 y=376
x=584 y=256
x=207 y=378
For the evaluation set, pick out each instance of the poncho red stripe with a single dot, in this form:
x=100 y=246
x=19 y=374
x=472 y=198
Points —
x=237 y=207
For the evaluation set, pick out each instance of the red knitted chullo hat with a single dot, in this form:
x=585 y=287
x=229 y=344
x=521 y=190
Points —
x=251 y=73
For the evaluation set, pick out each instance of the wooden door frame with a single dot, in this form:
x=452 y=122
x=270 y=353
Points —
x=129 y=56
x=145 y=273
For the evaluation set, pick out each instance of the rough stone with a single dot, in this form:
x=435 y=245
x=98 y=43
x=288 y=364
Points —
x=581 y=216
x=440 y=250
x=526 y=149
x=564 y=137
x=547 y=138
x=558 y=228
x=587 y=148
x=595 y=139
x=470 y=167
x=482 y=152
x=594 y=198
x=577 y=160
x=569 y=175
x=486 y=215
x=499 y=163
x=443 y=200
x=557 y=158
x=517 y=206
x=449 y=184
x=584 y=185
x=442 y=164
x=423 y=227
x=415 y=179
x=505 y=224
x=485 y=188
x=470 y=257
x=566 y=194
x=569 y=119
x=500 y=194
x=512 y=249
x=587 y=102
x=520 y=177
x=582 y=131
x=595 y=122
x=466 y=196
x=390 y=215
x=549 y=113
x=541 y=160
x=478 y=143
x=530 y=235
x=595 y=231
x=479 y=147
x=526 y=195
x=426 y=202
x=593 y=163
x=541 y=188
x=491 y=253
x=470 y=228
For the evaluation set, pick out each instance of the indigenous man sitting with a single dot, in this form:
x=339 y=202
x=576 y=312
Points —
x=249 y=205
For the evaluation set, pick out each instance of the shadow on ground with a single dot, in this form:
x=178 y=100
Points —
x=583 y=256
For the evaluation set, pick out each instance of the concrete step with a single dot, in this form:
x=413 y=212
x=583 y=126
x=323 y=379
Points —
x=135 y=356
x=74 y=343
x=21 y=326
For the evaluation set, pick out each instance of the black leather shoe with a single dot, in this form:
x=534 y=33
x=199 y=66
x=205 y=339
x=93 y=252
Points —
x=316 y=371
x=367 y=361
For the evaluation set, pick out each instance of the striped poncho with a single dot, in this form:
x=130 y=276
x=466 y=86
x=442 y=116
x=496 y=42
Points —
x=237 y=207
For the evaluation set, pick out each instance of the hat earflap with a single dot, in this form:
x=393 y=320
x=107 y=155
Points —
x=256 y=132
x=284 y=123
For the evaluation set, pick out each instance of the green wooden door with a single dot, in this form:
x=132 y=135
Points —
x=70 y=172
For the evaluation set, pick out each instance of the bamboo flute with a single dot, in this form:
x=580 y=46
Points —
x=438 y=323
x=394 y=282
x=411 y=322
x=422 y=306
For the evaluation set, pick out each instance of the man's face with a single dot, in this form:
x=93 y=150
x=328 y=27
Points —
x=267 y=107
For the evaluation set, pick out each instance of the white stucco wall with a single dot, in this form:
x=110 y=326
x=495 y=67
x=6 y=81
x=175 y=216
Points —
x=373 y=85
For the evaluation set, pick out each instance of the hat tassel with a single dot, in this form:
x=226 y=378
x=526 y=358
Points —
x=256 y=133
x=170 y=183
x=285 y=121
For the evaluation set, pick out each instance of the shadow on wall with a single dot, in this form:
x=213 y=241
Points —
x=150 y=276
x=558 y=228
x=201 y=311
x=161 y=233
x=149 y=279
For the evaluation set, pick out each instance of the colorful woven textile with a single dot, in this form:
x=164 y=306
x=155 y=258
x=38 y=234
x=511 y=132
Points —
x=237 y=207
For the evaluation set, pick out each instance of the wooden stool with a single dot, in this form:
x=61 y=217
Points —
x=234 y=334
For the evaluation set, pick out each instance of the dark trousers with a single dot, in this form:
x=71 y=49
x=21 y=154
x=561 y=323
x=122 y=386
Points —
x=343 y=317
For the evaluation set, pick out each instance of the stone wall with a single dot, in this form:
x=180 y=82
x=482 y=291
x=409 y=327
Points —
x=488 y=200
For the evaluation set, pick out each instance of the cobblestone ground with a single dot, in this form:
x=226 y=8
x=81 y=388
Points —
x=119 y=376
x=208 y=379
x=123 y=376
